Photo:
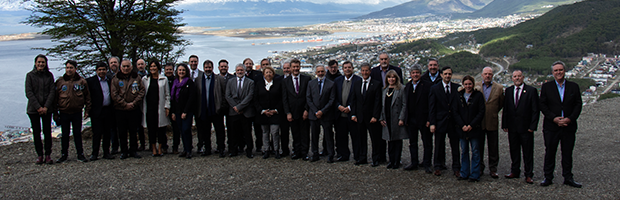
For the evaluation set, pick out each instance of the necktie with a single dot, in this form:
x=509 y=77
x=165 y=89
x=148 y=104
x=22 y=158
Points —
x=364 y=88
x=297 y=85
x=447 y=90
x=207 y=89
x=518 y=94
x=320 y=87
x=193 y=74
x=239 y=87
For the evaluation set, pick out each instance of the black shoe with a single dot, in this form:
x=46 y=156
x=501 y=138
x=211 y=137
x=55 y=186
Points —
x=323 y=153
x=222 y=154
x=428 y=170
x=330 y=159
x=390 y=165
x=233 y=154
x=361 y=162
x=93 y=158
x=124 y=156
x=183 y=154
x=81 y=158
x=266 y=155
x=572 y=183
x=295 y=156
x=314 y=159
x=412 y=166
x=473 y=180
x=546 y=182
x=249 y=155
x=188 y=155
x=284 y=153
x=114 y=151
x=278 y=156
x=135 y=155
x=342 y=159
x=108 y=156
x=461 y=178
x=306 y=158
x=205 y=153
x=374 y=163
x=395 y=166
x=141 y=148
x=62 y=158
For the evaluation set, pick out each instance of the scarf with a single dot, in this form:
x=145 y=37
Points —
x=176 y=88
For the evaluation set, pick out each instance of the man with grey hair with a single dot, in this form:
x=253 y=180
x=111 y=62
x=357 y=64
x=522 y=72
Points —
x=560 y=102
x=320 y=97
x=432 y=74
x=379 y=72
x=239 y=94
x=417 y=118
x=114 y=64
x=494 y=101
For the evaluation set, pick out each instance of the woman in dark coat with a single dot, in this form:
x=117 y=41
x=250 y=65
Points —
x=40 y=93
x=393 y=117
x=468 y=111
x=268 y=101
x=183 y=94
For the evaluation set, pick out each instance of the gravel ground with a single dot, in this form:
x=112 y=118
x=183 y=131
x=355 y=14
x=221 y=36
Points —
x=596 y=160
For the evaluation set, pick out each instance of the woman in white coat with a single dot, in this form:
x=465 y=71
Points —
x=156 y=107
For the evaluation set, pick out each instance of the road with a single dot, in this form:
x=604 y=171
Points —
x=610 y=86
x=581 y=75
x=501 y=68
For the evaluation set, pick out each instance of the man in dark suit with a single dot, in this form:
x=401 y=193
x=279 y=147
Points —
x=294 y=100
x=379 y=72
x=344 y=125
x=432 y=74
x=494 y=101
x=320 y=97
x=520 y=120
x=441 y=121
x=366 y=111
x=114 y=64
x=417 y=119
x=255 y=75
x=284 y=123
x=333 y=72
x=176 y=134
x=239 y=94
x=100 y=111
x=560 y=102
x=210 y=90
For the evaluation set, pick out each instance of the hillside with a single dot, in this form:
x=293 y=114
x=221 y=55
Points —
x=265 y=7
x=565 y=32
x=500 y=8
x=422 y=7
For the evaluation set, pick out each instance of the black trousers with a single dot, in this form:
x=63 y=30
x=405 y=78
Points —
x=344 y=128
x=493 y=145
x=395 y=150
x=101 y=126
x=285 y=136
x=567 y=141
x=141 y=131
x=258 y=134
x=128 y=121
x=521 y=142
x=328 y=136
x=427 y=143
x=203 y=126
x=176 y=135
x=378 y=144
x=66 y=122
x=114 y=130
x=37 y=121
x=239 y=129
x=440 y=150
x=300 y=129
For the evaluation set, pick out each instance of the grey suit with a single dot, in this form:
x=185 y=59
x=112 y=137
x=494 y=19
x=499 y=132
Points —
x=321 y=100
x=392 y=132
x=241 y=125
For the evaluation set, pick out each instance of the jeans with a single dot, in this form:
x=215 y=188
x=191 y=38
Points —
x=35 y=121
x=66 y=122
x=471 y=169
x=185 y=126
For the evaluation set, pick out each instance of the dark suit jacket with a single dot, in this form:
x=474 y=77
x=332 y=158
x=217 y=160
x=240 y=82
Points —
x=551 y=105
x=96 y=95
x=417 y=103
x=268 y=100
x=323 y=101
x=219 y=90
x=439 y=107
x=255 y=75
x=375 y=73
x=187 y=99
x=524 y=116
x=244 y=102
x=338 y=82
x=294 y=103
x=365 y=107
x=427 y=77
x=468 y=112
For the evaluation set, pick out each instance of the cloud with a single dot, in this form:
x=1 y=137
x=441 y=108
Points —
x=373 y=2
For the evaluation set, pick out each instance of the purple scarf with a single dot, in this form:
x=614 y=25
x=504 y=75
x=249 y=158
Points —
x=176 y=88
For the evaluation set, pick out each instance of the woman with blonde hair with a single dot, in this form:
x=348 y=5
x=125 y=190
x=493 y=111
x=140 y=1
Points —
x=393 y=117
